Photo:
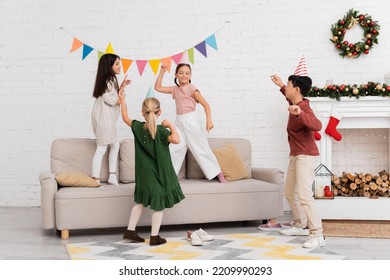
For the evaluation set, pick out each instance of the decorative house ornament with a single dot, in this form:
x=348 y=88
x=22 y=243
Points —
x=322 y=184
x=370 y=34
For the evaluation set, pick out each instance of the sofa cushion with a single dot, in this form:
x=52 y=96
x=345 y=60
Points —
x=230 y=162
x=75 y=155
x=243 y=147
x=127 y=161
x=76 y=179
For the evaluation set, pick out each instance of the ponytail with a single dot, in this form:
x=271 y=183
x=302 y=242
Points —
x=151 y=107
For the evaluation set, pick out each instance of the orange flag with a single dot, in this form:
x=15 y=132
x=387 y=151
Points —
x=126 y=64
x=76 y=44
x=167 y=61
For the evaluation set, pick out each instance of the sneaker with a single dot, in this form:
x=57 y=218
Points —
x=194 y=238
x=295 y=231
x=270 y=227
x=204 y=236
x=314 y=242
x=287 y=225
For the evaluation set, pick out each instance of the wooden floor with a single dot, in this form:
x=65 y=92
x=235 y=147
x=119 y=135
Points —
x=22 y=238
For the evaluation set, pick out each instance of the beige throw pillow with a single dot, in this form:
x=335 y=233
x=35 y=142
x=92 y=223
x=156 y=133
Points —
x=76 y=179
x=231 y=164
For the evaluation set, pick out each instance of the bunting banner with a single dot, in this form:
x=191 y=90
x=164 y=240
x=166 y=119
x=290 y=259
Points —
x=186 y=56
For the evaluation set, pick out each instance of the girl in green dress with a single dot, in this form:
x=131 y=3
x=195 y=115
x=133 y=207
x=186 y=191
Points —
x=156 y=182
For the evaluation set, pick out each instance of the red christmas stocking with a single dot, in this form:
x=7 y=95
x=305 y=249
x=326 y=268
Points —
x=317 y=135
x=332 y=125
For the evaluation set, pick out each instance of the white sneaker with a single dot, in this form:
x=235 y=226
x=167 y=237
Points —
x=293 y=231
x=195 y=239
x=204 y=236
x=314 y=242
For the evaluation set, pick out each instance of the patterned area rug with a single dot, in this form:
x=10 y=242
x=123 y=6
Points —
x=256 y=246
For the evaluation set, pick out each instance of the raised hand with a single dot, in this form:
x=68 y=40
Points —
x=277 y=80
x=164 y=68
x=166 y=123
x=125 y=83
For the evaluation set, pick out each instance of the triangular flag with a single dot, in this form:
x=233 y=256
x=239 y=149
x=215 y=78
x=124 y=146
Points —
x=212 y=42
x=177 y=57
x=154 y=63
x=110 y=49
x=191 y=55
x=141 y=66
x=150 y=93
x=185 y=59
x=167 y=62
x=301 y=68
x=126 y=64
x=76 y=44
x=86 y=50
x=100 y=54
x=201 y=47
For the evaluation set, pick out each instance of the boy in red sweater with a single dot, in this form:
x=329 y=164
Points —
x=302 y=123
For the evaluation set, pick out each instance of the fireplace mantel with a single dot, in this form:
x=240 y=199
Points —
x=365 y=112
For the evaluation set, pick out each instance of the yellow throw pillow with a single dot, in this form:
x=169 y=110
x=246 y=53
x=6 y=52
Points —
x=231 y=163
x=76 y=179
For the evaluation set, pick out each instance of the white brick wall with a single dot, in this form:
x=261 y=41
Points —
x=46 y=92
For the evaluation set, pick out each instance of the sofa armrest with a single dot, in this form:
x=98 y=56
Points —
x=49 y=188
x=274 y=176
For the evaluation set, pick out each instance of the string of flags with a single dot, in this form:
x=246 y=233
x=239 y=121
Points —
x=187 y=55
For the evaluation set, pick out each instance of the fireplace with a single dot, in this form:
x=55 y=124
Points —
x=367 y=114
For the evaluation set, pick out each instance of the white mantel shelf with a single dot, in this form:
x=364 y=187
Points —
x=365 y=112
x=354 y=208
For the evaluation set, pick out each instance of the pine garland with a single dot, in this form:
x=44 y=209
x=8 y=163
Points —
x=357 y=91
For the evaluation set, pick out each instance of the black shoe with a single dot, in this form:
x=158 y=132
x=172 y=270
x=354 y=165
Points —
x=157 y=240
x=132 y=236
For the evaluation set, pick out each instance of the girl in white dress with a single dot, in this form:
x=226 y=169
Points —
x=105 y=114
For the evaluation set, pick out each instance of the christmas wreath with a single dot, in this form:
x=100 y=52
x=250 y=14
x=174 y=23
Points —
x=370 y=28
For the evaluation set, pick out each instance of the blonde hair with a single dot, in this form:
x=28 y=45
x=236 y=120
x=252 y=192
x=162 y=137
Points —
x=151 y=107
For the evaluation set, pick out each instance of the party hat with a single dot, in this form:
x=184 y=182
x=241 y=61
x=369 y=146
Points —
x=110 y=49
x=150 y=93
x=301 y=69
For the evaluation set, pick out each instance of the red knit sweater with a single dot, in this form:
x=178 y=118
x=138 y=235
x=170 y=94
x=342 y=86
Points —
x=300 y=129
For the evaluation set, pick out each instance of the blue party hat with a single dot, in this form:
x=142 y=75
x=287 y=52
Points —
x=150 y=93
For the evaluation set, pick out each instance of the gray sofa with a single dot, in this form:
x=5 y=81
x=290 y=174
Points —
x=69 y=208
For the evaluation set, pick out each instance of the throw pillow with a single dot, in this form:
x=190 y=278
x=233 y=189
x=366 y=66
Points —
x=231 y=164
x=76 y=179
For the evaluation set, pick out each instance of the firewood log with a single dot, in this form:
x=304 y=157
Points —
x=358 y=181
x=379 y=181
x=373 y=186
x=353 y=186
x=350 y=177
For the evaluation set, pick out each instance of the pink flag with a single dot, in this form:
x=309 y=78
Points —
x=141 y=66
x=177 y=57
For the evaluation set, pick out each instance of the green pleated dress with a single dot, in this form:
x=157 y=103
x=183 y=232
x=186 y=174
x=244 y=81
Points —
x=156 y=182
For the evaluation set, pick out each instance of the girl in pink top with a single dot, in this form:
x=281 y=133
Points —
x=192 y=136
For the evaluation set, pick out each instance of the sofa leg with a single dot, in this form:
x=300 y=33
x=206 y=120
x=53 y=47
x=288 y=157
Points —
x=64 y=234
